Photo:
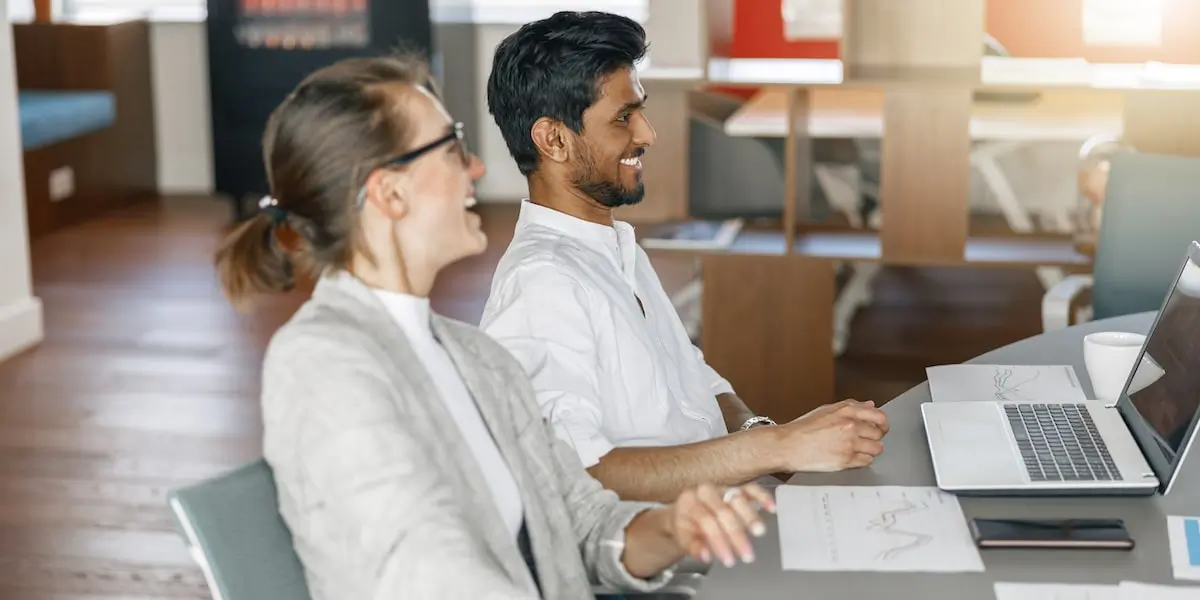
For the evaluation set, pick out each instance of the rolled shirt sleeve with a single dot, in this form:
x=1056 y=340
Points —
x=719 y=385
x=542 y=316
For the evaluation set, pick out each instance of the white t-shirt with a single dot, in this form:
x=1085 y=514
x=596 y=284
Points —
x=412 y=313
x=564 y=301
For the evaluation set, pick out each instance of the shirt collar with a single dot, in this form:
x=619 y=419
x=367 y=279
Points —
x=618 y=241
x=573 y=226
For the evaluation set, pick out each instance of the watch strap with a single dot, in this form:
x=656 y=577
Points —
x=759 y=420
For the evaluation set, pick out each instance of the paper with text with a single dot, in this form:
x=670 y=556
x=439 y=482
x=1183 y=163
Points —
x=1133 y=590
x=1055 y=591
x=1183 y=535
x=874 y=528
x=1004 y=383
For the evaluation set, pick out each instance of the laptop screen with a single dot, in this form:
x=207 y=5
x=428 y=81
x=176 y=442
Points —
x=1164 y=389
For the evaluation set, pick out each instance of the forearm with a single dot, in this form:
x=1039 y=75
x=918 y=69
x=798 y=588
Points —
x=734 y=411
x=660 y=474
x=649 y=545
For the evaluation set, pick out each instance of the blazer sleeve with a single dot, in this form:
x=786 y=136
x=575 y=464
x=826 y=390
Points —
x=363 y=497
x=600 y=519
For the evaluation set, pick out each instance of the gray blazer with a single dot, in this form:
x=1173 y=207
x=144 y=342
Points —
x=383 y=496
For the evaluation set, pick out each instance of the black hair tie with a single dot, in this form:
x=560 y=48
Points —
x=270 y=206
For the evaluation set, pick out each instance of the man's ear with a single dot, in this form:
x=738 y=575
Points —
x=385 y=191
x=552 y=139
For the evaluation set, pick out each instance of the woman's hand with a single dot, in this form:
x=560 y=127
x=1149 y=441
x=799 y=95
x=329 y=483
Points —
x=708 y=521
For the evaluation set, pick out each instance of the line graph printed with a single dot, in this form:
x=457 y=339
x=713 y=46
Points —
x=1007 y=384
x=884 y=528
x=888 y=523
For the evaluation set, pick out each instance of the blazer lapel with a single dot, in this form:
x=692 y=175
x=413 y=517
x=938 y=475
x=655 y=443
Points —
x=347 y=292
x=487 y=386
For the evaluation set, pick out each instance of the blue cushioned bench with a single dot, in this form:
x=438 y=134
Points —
x=86 y=119
x=49 y=117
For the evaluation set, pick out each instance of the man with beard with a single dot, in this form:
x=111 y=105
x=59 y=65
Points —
x=577 y=301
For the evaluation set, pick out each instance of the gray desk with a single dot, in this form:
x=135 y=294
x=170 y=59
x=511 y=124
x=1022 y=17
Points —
x=905 y=461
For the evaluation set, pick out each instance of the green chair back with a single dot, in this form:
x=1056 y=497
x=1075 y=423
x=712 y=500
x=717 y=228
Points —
x=233 y=527
x=1151 y=215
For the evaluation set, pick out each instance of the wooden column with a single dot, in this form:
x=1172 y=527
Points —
x=798 y=154
x=683 y=35
x=925 y=175
x=926 y=55
x=665 y=165
x=43 y=12
x=767 y=326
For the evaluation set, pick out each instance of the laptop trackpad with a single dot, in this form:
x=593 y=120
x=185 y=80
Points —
x=976 y=431
x=974 y=447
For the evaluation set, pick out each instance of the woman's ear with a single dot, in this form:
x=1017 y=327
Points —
x=385 y=191
x=551 y=140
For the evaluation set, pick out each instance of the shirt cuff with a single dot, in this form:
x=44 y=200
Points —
x=721 y=386
x=590 y=448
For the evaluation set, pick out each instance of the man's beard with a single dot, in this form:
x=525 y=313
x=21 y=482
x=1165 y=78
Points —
x=608 y=192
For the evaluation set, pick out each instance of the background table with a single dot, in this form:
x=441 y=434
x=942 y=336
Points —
x=906 y=461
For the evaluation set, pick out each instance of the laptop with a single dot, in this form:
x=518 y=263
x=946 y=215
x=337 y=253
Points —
x=1132 y=447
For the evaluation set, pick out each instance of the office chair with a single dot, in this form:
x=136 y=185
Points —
x=1150 y=214
x=233 y=529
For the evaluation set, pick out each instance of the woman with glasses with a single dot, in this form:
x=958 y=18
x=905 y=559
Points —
x=409 y=454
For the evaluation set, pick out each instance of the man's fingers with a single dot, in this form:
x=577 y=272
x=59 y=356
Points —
x=868 y=431
x=861 y=460
x=866 y=446
x=874 y=416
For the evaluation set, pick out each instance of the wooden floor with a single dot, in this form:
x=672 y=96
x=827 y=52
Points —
x=148 y=380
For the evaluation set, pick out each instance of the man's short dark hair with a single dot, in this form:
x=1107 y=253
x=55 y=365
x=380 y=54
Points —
x=554 y=68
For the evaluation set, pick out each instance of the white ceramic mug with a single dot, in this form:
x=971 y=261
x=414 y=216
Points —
x=1109 y=357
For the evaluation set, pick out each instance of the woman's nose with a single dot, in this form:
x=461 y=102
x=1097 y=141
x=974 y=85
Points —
x=475 y=167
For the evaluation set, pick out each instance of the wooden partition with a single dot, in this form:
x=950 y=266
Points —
x=926 y=126
x=913 y=74
x=768 y=320
x=114 y=166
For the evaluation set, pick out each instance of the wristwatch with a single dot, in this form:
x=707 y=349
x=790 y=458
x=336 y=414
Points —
x=752 y=421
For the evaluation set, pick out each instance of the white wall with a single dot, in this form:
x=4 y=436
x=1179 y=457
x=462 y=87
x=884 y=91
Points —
x=504 y=181
x=20 y=312
x=183 y=131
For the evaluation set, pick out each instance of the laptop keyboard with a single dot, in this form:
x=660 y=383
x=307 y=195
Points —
x=1059 y=442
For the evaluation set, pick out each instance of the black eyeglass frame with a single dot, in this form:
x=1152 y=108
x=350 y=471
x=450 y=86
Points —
x=456 y=135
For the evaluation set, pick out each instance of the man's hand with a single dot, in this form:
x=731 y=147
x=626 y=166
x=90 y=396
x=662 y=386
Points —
x=834 y=437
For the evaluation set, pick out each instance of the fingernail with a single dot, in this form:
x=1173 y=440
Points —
x=758 y=529
x=705 y=557
x=747 y=556
x=728 y=560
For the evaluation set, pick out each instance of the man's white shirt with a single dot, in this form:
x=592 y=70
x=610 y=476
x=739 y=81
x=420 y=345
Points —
x=564 y=301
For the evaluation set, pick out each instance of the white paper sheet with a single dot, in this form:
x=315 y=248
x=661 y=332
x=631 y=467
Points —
x=1004 y=383
x=884 y=528
x=1183 y=535
x=1055 y=591
x=1133 y=590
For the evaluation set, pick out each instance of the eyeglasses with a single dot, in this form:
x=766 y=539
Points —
x=456 y=135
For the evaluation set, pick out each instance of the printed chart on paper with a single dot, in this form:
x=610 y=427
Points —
x=884 y=528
